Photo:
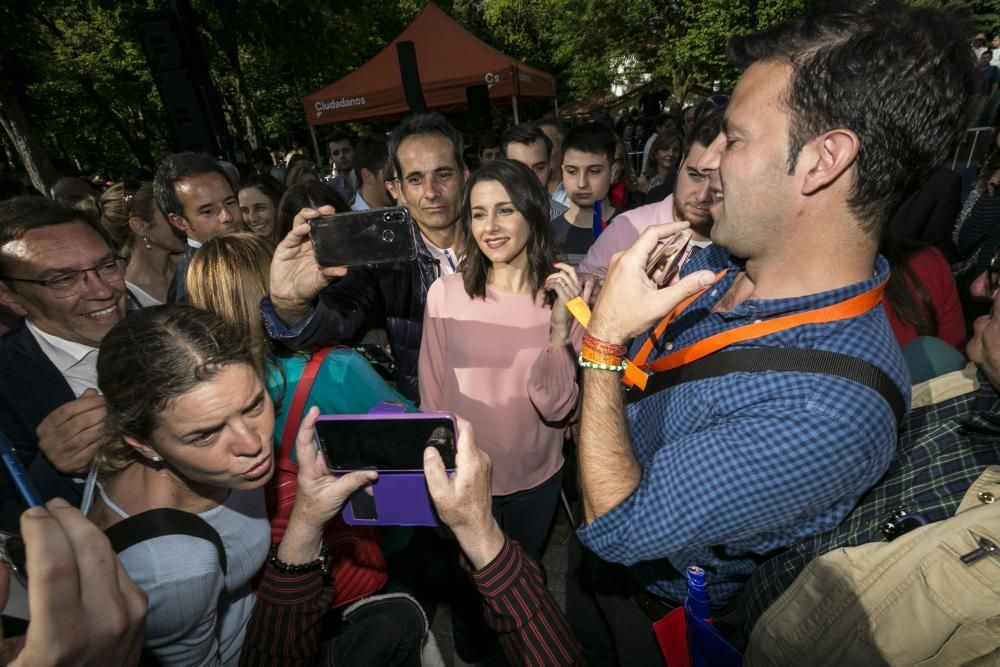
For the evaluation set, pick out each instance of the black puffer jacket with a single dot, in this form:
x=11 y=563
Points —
x=389 y=296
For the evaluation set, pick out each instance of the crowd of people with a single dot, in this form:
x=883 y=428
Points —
x=809 y=380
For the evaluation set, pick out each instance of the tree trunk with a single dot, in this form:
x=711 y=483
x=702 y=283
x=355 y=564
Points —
x=682 y=85
x=30 y=149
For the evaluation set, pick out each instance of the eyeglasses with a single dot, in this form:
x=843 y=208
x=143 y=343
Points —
x=130 y=187
x=994 y=272
x=73 y=283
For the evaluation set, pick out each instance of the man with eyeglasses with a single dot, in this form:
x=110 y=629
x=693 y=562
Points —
x=310 y=306
x=59 y=270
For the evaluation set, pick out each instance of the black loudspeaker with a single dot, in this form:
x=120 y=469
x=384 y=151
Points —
x=160 y=43
x=180 y=100
x=410 y=75
x=182 y=92
x=480 y=109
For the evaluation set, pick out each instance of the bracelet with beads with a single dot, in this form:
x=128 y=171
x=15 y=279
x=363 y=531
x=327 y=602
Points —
x=322 y=563
x=583 y=363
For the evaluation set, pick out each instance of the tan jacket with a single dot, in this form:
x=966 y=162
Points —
x=909 y=602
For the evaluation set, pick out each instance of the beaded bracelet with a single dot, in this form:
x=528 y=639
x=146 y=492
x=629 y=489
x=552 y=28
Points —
x=322 y=563
x=583 y=363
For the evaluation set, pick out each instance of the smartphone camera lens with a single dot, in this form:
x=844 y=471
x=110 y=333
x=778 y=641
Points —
x=387 y=217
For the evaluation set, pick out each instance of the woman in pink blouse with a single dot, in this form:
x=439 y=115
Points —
x=497 y=349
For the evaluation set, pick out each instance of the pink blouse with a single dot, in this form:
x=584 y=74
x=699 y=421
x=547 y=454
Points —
x=490 y=362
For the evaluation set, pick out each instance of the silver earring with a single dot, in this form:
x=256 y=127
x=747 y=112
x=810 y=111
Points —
x=145 y=239
x=157 y=459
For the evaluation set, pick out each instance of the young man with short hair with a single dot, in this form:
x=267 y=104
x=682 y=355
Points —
x=588 y=153
x=196 y=195
x=531 y=147
x=556 y=132
x=489 y=148
x=342 y=178
x=370 y=157
x=690 y=201
x=805 y=176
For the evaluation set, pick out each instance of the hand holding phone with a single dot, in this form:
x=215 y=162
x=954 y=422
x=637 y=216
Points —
x=320 y=495
x=393 y=444
x=296 y=278
x=664 y=263
x=464 y=500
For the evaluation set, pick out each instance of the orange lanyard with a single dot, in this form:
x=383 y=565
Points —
x=637 y=371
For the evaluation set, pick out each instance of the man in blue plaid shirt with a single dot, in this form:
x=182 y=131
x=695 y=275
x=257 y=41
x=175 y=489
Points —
x=808 y=168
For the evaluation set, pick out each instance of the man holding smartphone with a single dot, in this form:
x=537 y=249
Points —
x=722 y=470
x=310 y=306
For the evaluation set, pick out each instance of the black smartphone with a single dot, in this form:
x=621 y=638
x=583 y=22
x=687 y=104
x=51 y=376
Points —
x=355 y=238
x=385 y=441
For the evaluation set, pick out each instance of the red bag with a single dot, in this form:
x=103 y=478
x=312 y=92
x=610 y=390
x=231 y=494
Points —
x=357 y=565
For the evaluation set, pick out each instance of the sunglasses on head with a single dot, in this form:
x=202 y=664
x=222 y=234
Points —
x=130 y=187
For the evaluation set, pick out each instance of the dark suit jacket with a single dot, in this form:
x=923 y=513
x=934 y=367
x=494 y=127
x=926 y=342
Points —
x=929 y=214
x=30 y=388
x=177 y=292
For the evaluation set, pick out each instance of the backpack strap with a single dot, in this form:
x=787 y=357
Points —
x=160 y=522
x=758 y=360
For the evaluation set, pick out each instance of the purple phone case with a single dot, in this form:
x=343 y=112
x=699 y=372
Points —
x=401 y=496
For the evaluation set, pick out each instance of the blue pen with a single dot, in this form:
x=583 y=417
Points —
x=18 y=474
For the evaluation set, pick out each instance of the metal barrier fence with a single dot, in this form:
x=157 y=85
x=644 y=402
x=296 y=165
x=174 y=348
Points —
x=977 y=147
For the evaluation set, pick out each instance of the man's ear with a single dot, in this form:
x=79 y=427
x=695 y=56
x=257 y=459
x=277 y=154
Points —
x=828 y=157
x=144 y=450
x=9 y=299
x=367 y=176
x=179 y=222
x=392 y=189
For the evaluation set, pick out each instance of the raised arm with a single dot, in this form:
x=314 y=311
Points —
x=531 y=627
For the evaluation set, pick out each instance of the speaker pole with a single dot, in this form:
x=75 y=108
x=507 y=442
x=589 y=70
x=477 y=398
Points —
x=410 y=75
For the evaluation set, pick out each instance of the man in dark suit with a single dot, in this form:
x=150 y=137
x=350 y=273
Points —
x=197 y=197
x=59 y=271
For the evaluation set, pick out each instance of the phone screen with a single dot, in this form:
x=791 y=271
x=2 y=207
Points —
x=389 y=443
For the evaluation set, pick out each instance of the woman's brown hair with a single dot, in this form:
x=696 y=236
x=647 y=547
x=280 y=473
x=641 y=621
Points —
x=152 y=357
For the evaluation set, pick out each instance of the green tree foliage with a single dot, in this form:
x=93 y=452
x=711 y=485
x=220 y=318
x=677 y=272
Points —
x=591 y=44
x=77 y=71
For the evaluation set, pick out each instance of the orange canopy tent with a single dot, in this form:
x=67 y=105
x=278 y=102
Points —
x=449 y=60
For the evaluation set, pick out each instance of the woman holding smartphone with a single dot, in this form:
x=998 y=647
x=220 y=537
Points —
x=189 y=427
x=497 y=349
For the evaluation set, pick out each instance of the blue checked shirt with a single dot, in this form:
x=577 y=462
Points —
x=736 y=467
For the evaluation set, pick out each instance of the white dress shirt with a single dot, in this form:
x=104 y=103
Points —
x=76 y=362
